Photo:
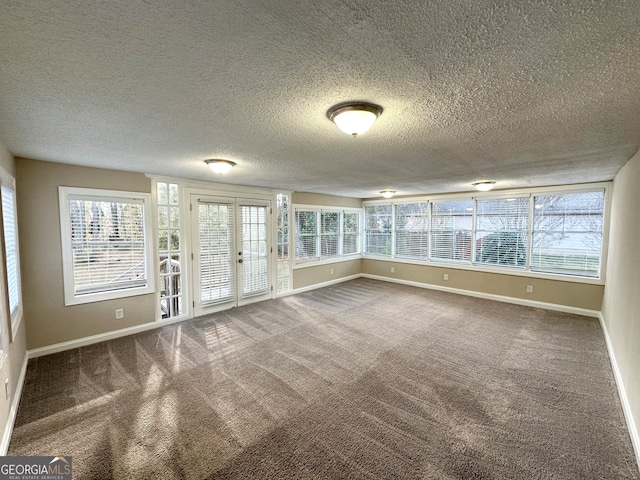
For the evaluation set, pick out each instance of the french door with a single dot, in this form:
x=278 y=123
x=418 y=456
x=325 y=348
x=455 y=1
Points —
x=231 y=252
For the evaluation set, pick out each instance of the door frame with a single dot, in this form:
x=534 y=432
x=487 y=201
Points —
x=188 y=194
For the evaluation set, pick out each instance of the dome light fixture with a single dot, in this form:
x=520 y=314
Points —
x=220 y=166
x=388 y=193
x=354 y=118
x=484 y=186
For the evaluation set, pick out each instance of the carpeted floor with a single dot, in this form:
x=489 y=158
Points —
x=361 y=380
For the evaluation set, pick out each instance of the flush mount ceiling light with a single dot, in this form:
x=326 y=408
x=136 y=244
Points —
x=354 y=118
x=387 y=193
x=484 y=186
x=220 y=166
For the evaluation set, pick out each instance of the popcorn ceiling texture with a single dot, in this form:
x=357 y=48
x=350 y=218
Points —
x=524 y=93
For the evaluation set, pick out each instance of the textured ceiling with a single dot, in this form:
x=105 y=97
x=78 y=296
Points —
x=525 y=93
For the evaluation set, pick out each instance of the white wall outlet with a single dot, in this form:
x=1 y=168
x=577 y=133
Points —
x=529 y=288
x=6 y=389
x=393 y=270
x=446 y=276
x=119 y=313
x=332 y=271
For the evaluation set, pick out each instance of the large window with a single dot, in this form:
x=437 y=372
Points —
x=411 y=224
x=451 y=226
x=169 y=250
x=501 y=231
x=377 y=221
x=547 y=232
x=323 y=234
x=105 y=244
x=11 y=252
x=282 y=233
x=567 y=233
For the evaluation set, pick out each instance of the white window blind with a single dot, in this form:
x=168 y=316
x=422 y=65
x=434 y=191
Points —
x=451 y=226
x=378 y=224
x=502 y=231
x=306 y=235
x=255 y=275
x=351 y=233
x=411 y=228
x=567 y=233
x=108 y=244
x=329 y=234
x=216 y=253
x=11 y=248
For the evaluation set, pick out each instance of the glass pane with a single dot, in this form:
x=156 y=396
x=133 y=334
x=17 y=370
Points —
x=162 y=193
x=173 y=194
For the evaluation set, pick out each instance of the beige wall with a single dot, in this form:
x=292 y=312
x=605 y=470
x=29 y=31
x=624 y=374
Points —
x=308 y=276
x=621 y=304
x=302 y=198
x=550 y=291
x=48 y=321
x=16 y=347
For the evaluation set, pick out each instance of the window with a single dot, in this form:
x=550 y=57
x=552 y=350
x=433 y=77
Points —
x=169 y=251
x=105 y=244
x=11 y=252
x=411 y=230
x=377 y=219
x=451 y=224
x=501 y=231
x=549 y=231
x=282 y=232
x=567 y=233
x=323 y=234
x=306 y=236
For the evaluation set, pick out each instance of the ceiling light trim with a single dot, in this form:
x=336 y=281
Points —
x=219 y=165
x=484 y=186
x=354 y=118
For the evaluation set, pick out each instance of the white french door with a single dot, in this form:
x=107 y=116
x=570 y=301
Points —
x=231 y=252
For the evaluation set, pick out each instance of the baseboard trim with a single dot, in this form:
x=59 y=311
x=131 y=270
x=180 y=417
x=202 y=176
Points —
x=490 y=296
x=320 y=285
x=13 y=411
x=100 y=337
x=622 y=393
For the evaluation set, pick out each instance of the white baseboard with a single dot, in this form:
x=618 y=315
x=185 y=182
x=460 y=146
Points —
x=101 y=337
x=490 y=296
x=13 y=411
x=320 y=285
x=622 y=393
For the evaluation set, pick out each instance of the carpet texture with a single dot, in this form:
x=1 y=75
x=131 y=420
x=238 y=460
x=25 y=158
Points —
x=361 y=380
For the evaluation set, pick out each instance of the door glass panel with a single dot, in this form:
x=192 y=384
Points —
x=216 y=255
x=255 y=278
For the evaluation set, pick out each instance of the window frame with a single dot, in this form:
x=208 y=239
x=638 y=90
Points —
x=64 y=194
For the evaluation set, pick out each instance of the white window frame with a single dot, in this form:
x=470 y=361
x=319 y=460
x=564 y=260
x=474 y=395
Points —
x=70 y=297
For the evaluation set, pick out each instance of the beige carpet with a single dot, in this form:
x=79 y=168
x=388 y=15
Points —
x=362 y=380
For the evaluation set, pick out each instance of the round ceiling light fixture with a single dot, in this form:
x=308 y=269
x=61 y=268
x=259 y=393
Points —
x=388 y=193
x=220 y=166
x=484 y=186
x=354 y=118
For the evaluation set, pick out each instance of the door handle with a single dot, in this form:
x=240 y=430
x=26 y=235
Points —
x=240 y=261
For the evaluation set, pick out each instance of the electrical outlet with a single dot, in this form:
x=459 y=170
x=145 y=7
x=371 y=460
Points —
x=393 y=270
x=119 y=313
x=6 y=388
x=446 y=276
x=529 y=288
x=332 y=271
